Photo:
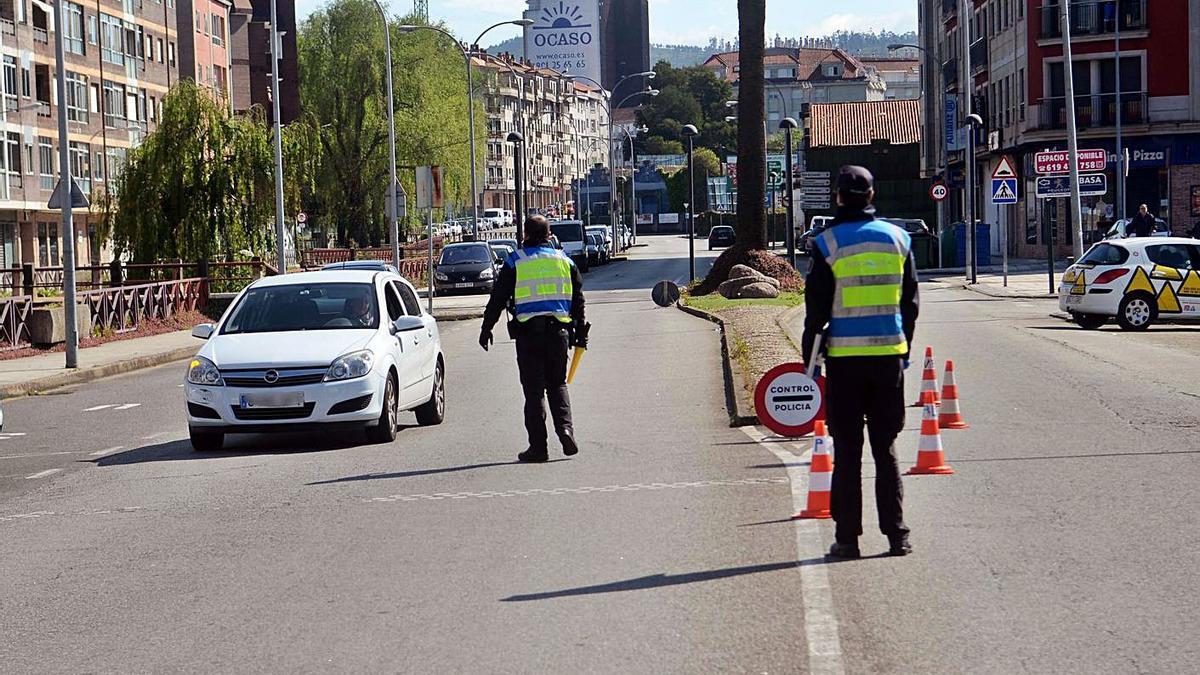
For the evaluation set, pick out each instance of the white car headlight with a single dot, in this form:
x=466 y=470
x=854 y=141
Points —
x=350 y=366
x=486 y=274
x=441 y=276
x=204 y=372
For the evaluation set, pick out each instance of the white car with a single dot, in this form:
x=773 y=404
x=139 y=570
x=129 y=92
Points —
x=1137 y=281
x=316 y=350
x=1118 y=229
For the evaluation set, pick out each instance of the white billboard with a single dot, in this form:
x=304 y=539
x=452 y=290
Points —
x=564 y=36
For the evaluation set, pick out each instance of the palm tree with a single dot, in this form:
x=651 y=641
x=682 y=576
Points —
x=751 y=210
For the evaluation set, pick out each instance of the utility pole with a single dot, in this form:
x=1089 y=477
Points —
x=66 y=191
x=965 y=86
x=1120 y=113
x=1072 y=138
x=279 y=234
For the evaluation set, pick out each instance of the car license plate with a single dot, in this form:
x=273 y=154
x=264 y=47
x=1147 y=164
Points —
x=463 y=285
x=1074 y=299
x=273 y=400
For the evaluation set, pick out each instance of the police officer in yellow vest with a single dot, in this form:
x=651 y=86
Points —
x=544 y=290
x=863 y=285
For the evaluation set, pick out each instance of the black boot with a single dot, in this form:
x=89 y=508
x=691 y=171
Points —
x=899 y=545
x=568 y=443
x=844 y=551
x=533 y=455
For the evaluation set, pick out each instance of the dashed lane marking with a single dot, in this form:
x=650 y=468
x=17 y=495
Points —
x=91 y=512
x=635 y=487
x=106 y=451
x=127 y=406
x=114 y=406
x=43 y=474
x=37 y=454
x=97 y=407
x=11 y=435
x=820 y=621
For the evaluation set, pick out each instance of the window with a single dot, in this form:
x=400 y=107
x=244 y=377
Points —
x=77 y=97
x=48 y=244
x=395 y=307
x=114 y=105
x=218 y=29
x=116 y=161
x=10 y=82
x=98 y=165
x=25 y=82
x=153 y=111
x=92 y=30
x=199 y=22
x=1171 y=255
x=158 y=50
x=131 y=105
x=46 y=162
x=1021 y=92
x=73 y=37
x=13 y=154
x=171 y=53
x=81 y=164
x=112 y=40
x=28 y=159
x=411 y=304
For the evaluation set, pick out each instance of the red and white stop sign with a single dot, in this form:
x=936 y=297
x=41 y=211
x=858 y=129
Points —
x=788 y=401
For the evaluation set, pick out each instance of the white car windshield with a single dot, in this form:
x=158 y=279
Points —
x=330 y=306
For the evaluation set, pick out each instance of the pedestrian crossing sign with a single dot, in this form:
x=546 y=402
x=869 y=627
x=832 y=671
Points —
x=1004 y=190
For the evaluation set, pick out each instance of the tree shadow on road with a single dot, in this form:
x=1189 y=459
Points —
x=656 y=581
x=248 y=445
x=424 y=472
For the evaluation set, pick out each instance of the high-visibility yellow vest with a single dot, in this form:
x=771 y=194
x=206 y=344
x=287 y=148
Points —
x=544 y=286
x=867 y=259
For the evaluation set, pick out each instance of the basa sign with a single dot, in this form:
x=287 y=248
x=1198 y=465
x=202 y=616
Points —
x=564 y=36
x=788 y=401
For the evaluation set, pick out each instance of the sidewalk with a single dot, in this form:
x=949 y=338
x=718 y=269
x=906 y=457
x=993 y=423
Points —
x=33 y=374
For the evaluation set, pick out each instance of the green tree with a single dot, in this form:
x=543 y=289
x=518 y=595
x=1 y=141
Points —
x=342 y=85
x=201 y=186
x=706 y=166
x=692 y=95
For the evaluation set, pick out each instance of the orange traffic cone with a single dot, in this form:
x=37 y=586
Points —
x=930 y=459
x=820 y=475
x=929 y=381
x=949 y=416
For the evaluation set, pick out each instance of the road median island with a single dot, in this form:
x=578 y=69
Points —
x=754 y=339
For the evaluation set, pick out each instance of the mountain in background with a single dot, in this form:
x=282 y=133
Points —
x=682 y=56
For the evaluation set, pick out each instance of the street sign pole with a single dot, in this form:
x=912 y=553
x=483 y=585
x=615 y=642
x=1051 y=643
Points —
x=1072 y=137
x=790 y=191
x=66 y=183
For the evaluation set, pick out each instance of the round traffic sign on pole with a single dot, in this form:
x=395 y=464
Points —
x=302 y=217
x=788 y=401
x=665 y=293
x=938 y=191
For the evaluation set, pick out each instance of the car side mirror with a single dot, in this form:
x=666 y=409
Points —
x=204 y=331
x=407 y=324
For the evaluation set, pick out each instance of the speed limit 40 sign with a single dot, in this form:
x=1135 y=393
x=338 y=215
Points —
x=938 y=192
x=788 y=401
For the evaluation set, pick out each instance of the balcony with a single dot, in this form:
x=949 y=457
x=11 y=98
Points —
x=1095 y=110
x=979 y=56
x=40 y=35
x=1095 y=18
x=949 y=9
x=950 y=74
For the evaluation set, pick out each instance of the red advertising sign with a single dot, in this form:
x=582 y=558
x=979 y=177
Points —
x=1059 y=161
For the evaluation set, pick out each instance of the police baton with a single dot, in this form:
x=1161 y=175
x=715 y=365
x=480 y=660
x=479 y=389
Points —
x=817 y=360
x=581 y=340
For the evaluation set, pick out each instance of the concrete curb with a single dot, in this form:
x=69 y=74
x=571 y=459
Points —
x=458 y=315
x=1008 y=294
x=82 y=375
x=785 y=321
x=737 y=402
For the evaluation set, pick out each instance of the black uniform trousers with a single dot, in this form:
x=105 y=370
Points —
x=542 y=346
x=870 y=388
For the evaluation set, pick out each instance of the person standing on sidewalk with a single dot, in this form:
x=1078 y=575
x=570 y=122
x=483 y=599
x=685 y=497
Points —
x=861 y=290
x=1142 y=224
x=544 y=291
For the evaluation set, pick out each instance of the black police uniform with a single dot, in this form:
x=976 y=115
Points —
x=542 y=354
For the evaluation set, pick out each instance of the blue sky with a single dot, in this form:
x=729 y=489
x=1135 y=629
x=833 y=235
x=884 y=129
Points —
x=685 y=21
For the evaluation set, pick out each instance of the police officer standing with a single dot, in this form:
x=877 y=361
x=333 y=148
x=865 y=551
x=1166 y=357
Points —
x=544 y=291
x=863 y=284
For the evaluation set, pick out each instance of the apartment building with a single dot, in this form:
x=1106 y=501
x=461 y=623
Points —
x=901 y=76
x=564 y=123
x=204 y=50
x=1017 y=84
x=121 y=57
x=799 y=75
x=250 y=58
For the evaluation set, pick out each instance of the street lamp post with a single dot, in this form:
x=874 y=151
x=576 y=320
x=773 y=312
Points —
x=633 y=178
x=974 y=121
x=391 y=115
x=690 y=132
x=787 y=124
x=66 y=194
x=518 y=142
x=279 y=235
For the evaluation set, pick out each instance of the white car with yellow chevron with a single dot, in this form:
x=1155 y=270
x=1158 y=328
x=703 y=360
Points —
x=1136 y=281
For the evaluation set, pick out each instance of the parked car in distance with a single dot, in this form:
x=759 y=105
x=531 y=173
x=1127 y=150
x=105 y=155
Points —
x=511 y=243
x=571 y=241
x=1119 y=229
x=721 y=236
x=816 y=226
x=492 y=219
x=910 y=225
x=593 y=249
x=605 y=235
x=368 y=265
x=502 y=251
x=316 y=350
x=468 y=266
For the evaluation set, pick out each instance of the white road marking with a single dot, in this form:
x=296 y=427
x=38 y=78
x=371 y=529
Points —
x=106 y=451
x=154 y=436
x=127 y=406
x=820 y=621
x=43 y=474
x=36 y=454
x=12 y=434
x=578 y=490
x=97 y=407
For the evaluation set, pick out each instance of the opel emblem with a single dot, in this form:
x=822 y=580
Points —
x=271 y=376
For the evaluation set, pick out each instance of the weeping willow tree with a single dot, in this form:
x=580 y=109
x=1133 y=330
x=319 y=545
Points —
x=201 y=187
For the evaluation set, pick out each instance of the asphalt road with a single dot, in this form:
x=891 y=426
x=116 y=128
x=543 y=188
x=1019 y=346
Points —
x=1064 y=542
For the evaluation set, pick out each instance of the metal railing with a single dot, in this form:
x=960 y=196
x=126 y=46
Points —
x=950 y=73
x=1097 y=17
x=15 y=313
x=123 y=309
x=1095 y=110
x=979 y=56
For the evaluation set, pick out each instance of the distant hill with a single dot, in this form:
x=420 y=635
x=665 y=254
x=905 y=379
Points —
x=682 y=56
